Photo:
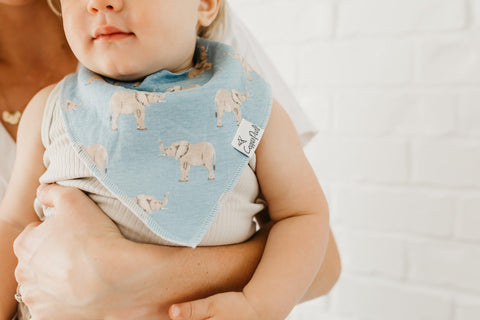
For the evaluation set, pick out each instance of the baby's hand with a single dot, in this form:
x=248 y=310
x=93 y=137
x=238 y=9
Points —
x=222 y=306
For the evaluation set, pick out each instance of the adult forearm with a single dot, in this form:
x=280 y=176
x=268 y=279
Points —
x=8 y=233
x=182 y=274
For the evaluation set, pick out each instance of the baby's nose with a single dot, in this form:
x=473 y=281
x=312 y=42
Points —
x=95 y=6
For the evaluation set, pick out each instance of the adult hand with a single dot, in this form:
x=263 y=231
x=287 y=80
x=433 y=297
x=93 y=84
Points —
x=77 y=265
x=66 y=265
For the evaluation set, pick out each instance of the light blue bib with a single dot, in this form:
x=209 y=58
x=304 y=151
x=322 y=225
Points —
x=163 y=146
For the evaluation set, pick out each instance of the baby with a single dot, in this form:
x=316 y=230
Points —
x=167 y=132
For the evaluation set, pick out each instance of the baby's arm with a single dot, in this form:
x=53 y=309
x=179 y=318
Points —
x=16 y=209
x=298 y=240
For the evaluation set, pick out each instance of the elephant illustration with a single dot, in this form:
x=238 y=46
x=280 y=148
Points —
x=202 y=64
x=99 y=155
x=149 y=203
x=135 y=85
x=180 y=88
x=226 y=101
x=125 y=102
x=70 y=105
x=246 y=67
x=93 y=78
x=198 y=154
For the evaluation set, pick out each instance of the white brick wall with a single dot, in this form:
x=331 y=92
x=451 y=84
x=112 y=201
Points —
x=468 y=219
x=469 y=113
x=394 y=87
x=394 y=17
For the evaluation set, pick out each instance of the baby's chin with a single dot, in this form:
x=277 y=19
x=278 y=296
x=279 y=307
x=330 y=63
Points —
x=127 y=77
x=135 y=75
x=121 y=76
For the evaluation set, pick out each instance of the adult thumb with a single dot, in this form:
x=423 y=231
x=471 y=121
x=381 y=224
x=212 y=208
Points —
x=193 y=310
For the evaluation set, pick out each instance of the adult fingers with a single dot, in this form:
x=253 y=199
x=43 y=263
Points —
x=24 y=247
x=22 y=244
x=52 y=194
x=27 y=294
x=192 y=310
x=20 y=273
x=72 y=201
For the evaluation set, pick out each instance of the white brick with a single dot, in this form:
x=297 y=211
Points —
x=311 y=314
x=285 y=59
x=476 y=13
x=446 y=162
x=318 y=315
x=397 y=210
x=276 y=21
x=467 y=308
x=370 y=253
x=393 y=16
x=446 y=264
x=449 y=60
x=317 y=105
x=469 y=113
x=374 y=300
x=350 y=159
x=397 y=113
x=259 y=18
x=316 y=20
x=468 y=220
x=356 y=62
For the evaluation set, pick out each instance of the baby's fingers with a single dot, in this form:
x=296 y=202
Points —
x=192 y=310
x=222 y=306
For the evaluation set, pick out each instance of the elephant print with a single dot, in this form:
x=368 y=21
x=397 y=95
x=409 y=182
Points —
x=198 y=154
x=227 y=101
x=202 y=64
x=149 y=203
x=180 y=88
x=246 y=67
x=93 y=78
x=135 y=85
x=125 y=102
x=70 y=105
x=99 y=156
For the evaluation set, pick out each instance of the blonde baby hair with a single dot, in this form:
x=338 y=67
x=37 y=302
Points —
x=213 y=32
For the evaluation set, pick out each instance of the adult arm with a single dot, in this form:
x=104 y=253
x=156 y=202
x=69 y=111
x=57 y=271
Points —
x=107 y=269
x=16 y=209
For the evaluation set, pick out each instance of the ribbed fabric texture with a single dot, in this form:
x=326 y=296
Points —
x=233 y=224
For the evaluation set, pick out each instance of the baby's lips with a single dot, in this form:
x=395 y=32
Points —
x=107 y=30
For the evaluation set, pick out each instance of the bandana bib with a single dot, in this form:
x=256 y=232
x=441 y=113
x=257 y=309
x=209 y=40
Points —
x=171 y=147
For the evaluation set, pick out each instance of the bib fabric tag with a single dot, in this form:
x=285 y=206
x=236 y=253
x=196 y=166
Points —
x=247 y=138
